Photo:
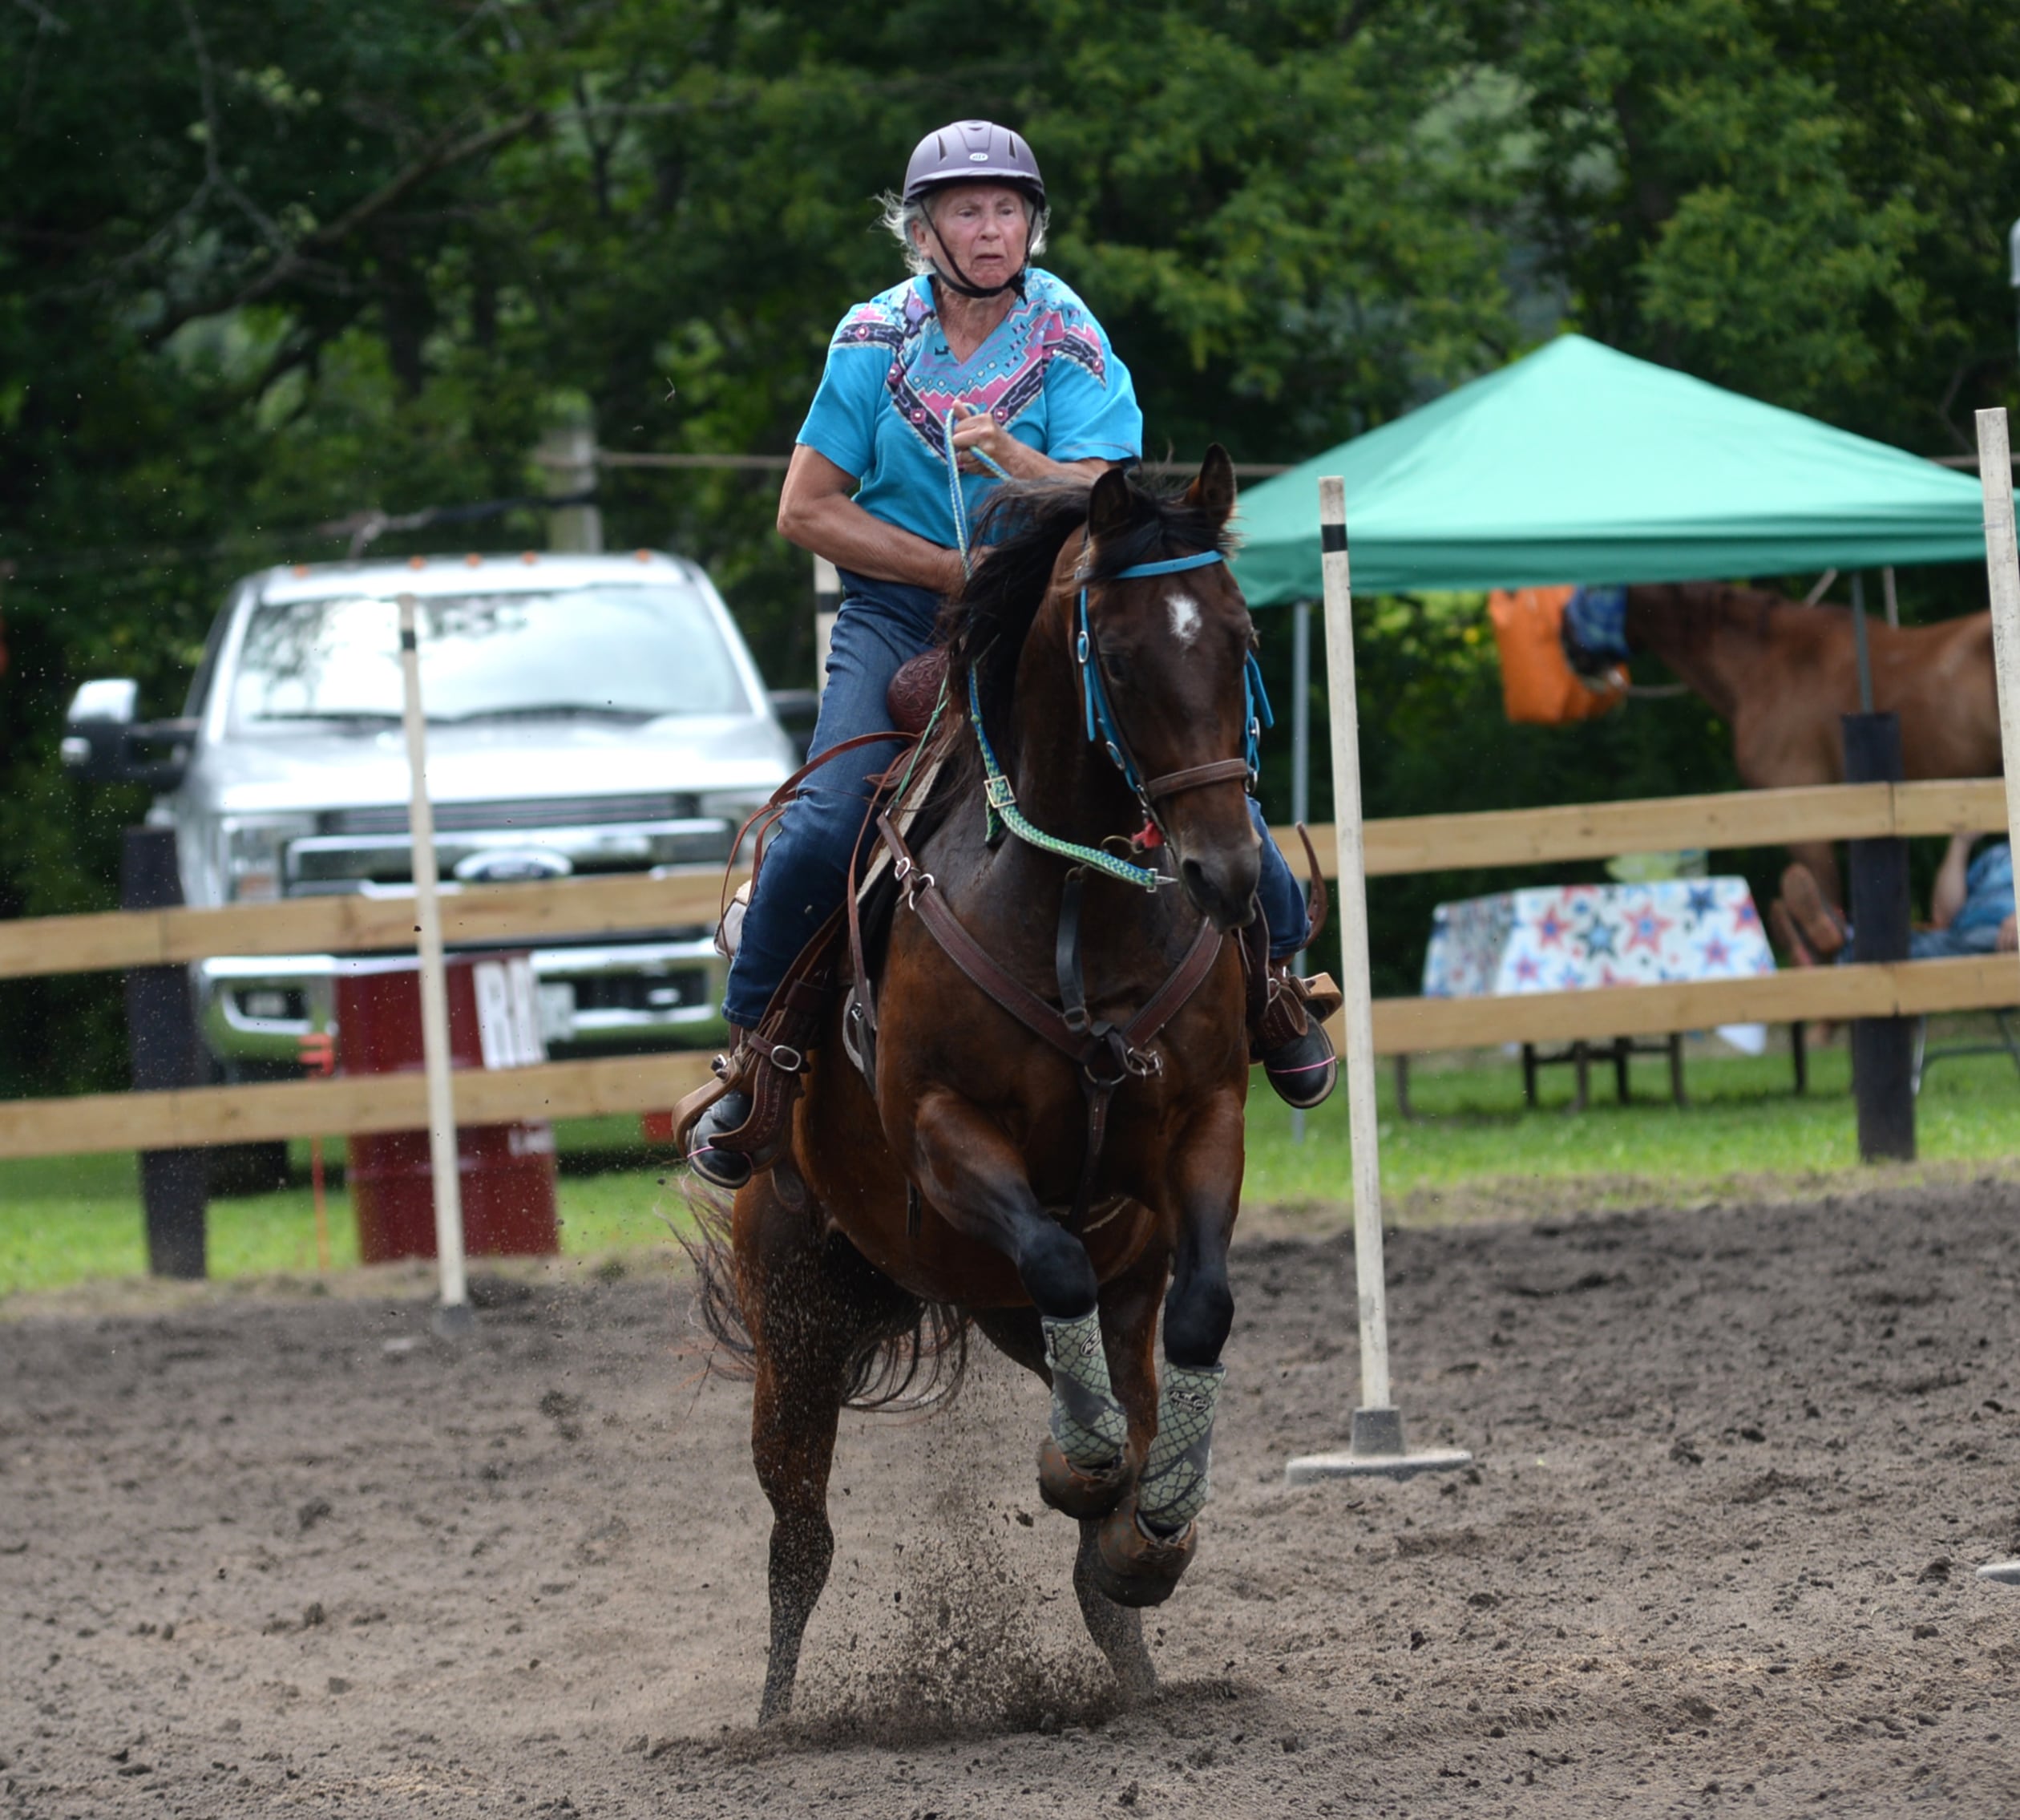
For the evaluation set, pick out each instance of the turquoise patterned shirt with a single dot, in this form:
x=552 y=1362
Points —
x=1046 y=373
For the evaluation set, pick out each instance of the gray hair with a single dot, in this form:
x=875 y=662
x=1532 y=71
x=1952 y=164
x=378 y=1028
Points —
x=897 y=216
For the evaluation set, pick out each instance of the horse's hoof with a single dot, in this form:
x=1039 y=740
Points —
x=1135 y=1566
x=1080 y=1491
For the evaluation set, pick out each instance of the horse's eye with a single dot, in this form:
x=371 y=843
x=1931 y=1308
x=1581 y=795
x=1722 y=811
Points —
x=1116 y=666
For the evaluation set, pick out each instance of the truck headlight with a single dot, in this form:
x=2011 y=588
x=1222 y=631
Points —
x=256 y=850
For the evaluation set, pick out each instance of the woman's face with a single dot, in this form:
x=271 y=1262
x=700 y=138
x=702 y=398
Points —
x=986 y=228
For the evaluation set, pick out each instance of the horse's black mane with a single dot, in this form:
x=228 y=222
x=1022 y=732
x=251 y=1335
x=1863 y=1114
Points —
x=1025 y=525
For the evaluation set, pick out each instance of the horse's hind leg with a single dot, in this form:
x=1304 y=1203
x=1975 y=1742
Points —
x=811 y=1305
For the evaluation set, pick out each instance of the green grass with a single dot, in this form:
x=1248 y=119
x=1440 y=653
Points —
x=1473 y=1144
x=1744 y=1121
x=69 y=1220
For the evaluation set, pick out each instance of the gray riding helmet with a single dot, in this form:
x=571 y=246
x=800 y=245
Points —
x=968 y=151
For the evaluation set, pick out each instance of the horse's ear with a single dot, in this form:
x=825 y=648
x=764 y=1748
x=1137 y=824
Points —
x=1213 y=491
x=1111 y=506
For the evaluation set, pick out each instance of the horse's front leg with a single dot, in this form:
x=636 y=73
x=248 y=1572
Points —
x=970 y=1169
x=1148 y=1542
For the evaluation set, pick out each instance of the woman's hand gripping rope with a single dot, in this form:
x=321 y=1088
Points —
x=963 y=443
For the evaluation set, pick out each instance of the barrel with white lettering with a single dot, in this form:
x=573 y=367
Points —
x=506 y=1171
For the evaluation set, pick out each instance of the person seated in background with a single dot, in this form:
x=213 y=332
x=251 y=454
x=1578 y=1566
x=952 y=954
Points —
x=1970 y=911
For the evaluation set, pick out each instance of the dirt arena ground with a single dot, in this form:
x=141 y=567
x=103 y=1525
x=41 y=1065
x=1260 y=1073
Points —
x=1736 y=1466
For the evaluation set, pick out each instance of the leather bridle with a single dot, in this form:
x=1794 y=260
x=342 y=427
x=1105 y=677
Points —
x=1104 y=729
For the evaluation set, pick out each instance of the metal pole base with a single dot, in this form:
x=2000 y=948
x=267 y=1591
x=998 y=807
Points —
x=2009 y=1571
x=452 y=1320
x=1377 y=1451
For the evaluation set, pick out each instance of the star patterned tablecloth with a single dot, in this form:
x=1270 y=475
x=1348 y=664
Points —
x=1566 y=938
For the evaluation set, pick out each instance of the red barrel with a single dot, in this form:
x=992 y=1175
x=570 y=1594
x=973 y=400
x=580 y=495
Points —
x=506 y=1171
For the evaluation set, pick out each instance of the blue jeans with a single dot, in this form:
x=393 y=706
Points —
x=883 y=625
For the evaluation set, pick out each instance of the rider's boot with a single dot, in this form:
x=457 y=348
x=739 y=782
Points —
x=1288 y=1015
x=740 y=1123
x=737 y=1124
x=722 y=1118
x=1289 y=1037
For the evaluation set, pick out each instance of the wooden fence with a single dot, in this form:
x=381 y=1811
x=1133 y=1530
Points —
x=533 y=913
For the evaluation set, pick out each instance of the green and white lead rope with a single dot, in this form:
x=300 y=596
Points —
x=1004 y=813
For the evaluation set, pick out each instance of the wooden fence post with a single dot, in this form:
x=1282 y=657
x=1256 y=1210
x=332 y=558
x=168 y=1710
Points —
x=1882 y=1048
x=161 y=1036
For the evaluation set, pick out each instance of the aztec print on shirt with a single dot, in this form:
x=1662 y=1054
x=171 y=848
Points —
x=1004 y=375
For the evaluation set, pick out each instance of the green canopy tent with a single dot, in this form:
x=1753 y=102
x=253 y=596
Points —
x=1578 y=463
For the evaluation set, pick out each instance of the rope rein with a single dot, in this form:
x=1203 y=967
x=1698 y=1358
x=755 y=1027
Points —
x=958 y=499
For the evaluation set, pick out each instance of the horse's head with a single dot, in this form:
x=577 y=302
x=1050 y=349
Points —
x=1163 y=644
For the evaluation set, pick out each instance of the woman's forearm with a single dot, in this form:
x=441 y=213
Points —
x=1024 y=462
x=1946 y=896
x=831 y=525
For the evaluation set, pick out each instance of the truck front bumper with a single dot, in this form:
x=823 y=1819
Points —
x=594 y=998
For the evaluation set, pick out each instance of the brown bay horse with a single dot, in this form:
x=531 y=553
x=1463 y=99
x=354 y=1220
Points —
x=1782 y=674
x=954 y=1192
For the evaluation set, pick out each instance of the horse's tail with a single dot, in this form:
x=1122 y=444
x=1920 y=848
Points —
x=917 y=1366
x=717 y=1305
x=912 y=1359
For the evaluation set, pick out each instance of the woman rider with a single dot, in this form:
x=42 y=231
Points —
x=1037 y=394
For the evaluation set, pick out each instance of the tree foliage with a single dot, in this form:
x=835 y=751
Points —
x=266 y=263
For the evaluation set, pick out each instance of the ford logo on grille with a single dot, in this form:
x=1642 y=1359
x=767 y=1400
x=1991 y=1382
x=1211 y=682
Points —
x=513 y=865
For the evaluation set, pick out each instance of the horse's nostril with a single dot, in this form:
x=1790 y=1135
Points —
x=1216 y=894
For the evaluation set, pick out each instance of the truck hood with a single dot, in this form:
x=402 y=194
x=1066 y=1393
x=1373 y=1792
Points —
x=518 y=760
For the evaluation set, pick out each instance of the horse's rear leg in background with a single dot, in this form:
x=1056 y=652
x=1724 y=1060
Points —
x=1821 y=857
x=810 y=1305
x=1147 y=1542
x=969 y=1168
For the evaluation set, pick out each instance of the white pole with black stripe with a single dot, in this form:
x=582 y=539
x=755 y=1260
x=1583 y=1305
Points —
x=1377 y=1446
x=454 y=1315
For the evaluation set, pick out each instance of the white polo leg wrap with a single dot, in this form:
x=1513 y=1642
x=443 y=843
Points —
x=1087 y=1421
x=1172 y=1489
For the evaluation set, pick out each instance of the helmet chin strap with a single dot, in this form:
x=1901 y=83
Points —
x=959 y=280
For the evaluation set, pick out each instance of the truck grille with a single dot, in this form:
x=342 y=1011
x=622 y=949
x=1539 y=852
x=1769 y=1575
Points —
x=536 y=812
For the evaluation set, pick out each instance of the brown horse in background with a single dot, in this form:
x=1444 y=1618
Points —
x=1782 y=674
x=954 y=1193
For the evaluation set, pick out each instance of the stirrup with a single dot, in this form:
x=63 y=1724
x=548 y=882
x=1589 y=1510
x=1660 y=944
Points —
x=715 y=1134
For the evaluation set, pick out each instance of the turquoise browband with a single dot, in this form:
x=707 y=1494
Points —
x=1101 y=717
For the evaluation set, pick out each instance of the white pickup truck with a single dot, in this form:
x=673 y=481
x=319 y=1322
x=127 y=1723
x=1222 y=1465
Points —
x=587 y=714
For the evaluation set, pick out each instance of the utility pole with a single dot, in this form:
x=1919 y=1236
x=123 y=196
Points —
x=2013 y=276
x=566 y=457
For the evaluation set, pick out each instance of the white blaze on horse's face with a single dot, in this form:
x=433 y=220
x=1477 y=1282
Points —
x=1184 y=619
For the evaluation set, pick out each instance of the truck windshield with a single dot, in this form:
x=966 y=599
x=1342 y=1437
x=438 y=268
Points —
x=618 y=652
